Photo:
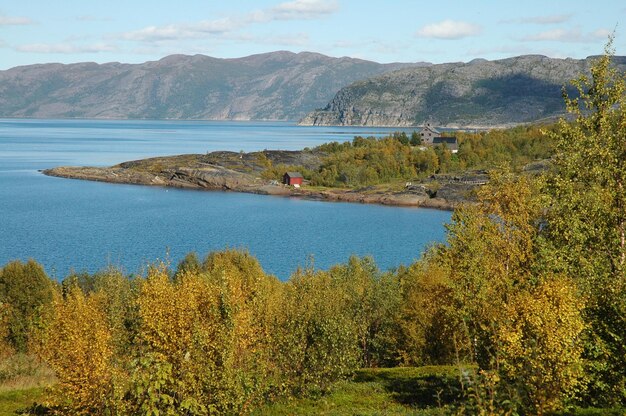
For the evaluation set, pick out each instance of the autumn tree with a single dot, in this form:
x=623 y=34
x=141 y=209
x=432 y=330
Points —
x=117 y=292
x=427 y=330
x=189 y=264
x=6 y=347
x=317 y=342
x=77 y=345
x=247 y=300
x=27 y=290
x=587 y=217
x=371 y=301
x=171 y=336
x=489 y=257
x=540 y=344
x=518 y=322
x=203 y=341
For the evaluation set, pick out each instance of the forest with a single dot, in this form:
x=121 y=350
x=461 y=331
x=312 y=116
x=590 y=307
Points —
x=526 y=299
x=367 y=161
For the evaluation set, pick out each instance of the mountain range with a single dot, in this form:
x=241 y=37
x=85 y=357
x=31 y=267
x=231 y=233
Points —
x=272 y=86
x=288 y=86
x=480 y=93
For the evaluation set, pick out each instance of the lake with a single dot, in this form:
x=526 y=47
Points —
x=84 y=226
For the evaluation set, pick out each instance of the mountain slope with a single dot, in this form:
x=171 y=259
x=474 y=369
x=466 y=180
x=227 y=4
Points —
x=478 y=93
x=277 y=86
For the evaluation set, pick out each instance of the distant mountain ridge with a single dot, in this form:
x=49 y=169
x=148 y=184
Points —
x=272 y=86
x=479 y=93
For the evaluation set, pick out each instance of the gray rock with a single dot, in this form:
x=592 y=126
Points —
x=476 y=94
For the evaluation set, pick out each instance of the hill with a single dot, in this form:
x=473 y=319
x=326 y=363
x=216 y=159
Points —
x=478 y=93
x=273 y=86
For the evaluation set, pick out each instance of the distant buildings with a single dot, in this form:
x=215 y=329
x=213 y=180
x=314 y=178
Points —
x=432 y=137
x=428 y=134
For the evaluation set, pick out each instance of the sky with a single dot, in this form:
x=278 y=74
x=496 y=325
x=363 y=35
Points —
x=437 y=31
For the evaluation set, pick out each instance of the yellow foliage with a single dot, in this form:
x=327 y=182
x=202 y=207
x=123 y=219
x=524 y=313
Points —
x=6 y=349
x=168 y=314
x=206 y=336
x=427 y=329
x=78 y=347
x=316 y=336
x=539 y=342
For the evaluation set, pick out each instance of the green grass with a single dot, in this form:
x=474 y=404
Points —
x=592 y=411
x=13 y=401
x=23 y=379
x=415 y=391
x=389 y=391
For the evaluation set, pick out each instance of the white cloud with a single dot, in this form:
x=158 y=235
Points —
x=183 y=31
x=541 y=20
x=449 y=29
x=298 y=39
x=15 y=21
x=548 y=20
x=216 y=26
x=91 y=18
x=65 y=48
x=303 y=9
x=575 y=35
x=352 y=44
x=292 y=10
x=601 y=34
x=554 y=35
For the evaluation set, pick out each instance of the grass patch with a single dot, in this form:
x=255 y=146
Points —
x=388 y=391
x=593 y=411
x=404 y=391
x=415 y=391
x=23 y=379
x=15 y=401
x=23 y=372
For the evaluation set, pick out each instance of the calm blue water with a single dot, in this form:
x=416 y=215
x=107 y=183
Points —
x=69 y=224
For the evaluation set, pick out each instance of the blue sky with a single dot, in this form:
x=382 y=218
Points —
x=133 y=31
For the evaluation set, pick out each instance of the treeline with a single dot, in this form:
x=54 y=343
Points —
x=213 y=337
x=368 y=161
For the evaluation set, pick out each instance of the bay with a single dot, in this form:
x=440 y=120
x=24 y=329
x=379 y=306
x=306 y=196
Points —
x=85 y=226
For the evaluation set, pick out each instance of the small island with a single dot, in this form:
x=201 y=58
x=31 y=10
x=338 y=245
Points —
x=394 y=170
x=220 y=171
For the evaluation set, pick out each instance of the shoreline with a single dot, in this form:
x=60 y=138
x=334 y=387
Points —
x=232 y=181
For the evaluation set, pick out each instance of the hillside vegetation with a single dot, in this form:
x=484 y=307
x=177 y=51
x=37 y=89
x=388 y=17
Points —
x=398 y=157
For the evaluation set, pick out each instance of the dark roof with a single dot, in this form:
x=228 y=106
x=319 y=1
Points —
x=446 y=140
x=294 y=174
x=450 y=142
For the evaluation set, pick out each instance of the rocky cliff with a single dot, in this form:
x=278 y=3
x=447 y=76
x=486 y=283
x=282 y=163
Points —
x=272 y=86
x=478 y=93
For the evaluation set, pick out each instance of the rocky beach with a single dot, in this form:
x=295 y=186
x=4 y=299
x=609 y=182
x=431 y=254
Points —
x=242 y=172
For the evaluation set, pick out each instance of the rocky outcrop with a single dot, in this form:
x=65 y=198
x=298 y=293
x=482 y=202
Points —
x=271 y=86
x=480 y=93
x=210 y=178
x=241 y=172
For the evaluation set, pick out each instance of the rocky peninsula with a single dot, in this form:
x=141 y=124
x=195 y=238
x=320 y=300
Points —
x=246 y=172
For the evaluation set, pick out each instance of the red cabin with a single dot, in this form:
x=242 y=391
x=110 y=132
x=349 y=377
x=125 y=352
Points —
x=293 y=178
